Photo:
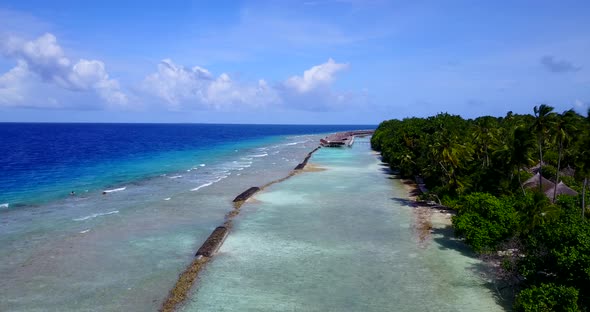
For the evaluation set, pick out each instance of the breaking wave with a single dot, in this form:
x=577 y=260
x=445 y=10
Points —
x=115 y=190
x=94 y=215
x=209 y=183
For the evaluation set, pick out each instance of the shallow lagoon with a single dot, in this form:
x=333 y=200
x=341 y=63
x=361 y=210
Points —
x=123 y=251
x=338 y=240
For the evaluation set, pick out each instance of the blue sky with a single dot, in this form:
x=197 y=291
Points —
x=324 y=61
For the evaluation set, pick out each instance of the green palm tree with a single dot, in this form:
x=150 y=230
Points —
x=543 y=119
x=485 y=135
x=537 y=211
x=564 y=129
x=513 y=149
x=450 y=154
x=586 y=171
x=585 y=164
x=520 y=152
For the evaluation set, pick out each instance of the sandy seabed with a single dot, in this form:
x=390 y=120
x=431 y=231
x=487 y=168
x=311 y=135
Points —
x=346 y=238
x=426 y=218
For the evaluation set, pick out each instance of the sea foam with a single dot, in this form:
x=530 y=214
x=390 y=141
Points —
x=210 y=182
x=201 y=186
x=94 y=215
x=115 y=190
x=241 y=165
x=295 y=143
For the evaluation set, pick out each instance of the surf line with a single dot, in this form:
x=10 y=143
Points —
x=179 y=293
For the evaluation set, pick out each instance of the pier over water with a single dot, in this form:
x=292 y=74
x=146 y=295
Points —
x=344 y=138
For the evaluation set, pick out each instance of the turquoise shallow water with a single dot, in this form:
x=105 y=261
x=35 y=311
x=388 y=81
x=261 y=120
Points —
x=338 y=240
x=41 y=162
x=321 y=241
x=123 y=251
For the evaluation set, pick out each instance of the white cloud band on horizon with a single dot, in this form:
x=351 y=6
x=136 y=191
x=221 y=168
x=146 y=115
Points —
x=42 y=60
x=44 y=77
x=183 y=88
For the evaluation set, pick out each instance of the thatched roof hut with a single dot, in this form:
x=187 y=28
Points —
x=562 y=189
x=534 y=182
x=568 y=171
x=535 y=168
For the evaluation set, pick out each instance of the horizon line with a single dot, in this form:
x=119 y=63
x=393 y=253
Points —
x=179 y=123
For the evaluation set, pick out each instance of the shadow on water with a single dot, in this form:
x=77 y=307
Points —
x=404 y=201
x=386 y=170
x=445 y=238
x=504 y=297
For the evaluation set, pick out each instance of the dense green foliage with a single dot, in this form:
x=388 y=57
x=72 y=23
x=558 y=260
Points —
x=478 y=167
x=547 y=298
x=484 y=220
x=560 y=251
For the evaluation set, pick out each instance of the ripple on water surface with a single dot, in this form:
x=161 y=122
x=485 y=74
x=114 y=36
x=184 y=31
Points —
x=334 y=241
x=123 y=250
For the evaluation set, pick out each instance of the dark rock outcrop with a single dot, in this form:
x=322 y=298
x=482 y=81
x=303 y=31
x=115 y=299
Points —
x=306 y=159
x=246 y=194
x=300 y=166
x=213 y=242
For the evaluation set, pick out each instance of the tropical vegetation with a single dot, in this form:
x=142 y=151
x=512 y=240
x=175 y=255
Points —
x=486 y=169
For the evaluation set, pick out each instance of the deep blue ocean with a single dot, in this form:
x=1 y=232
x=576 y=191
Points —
x=40 y=162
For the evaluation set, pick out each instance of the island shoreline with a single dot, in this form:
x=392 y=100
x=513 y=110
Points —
x=427 y=217
x=187 y=279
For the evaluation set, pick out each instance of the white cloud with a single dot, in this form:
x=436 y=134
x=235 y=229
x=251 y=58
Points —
x=313 y=91
x=44 y=58
x=558 y=66
x=45 y=77
x=11 y=88
x=581 y=105
x=316 y=77
x=175 y=84
x=91 y=75
x=19 y=87
x=182 y=88
x=196 y=88
x=43 y=55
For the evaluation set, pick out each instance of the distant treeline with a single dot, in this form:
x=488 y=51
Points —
x=541 y=239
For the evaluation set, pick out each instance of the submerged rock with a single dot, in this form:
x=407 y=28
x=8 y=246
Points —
x=300 y=166
x=246 y=194
x=213 y=242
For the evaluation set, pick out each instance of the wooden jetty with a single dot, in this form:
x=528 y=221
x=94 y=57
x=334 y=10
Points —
x=344 y=138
